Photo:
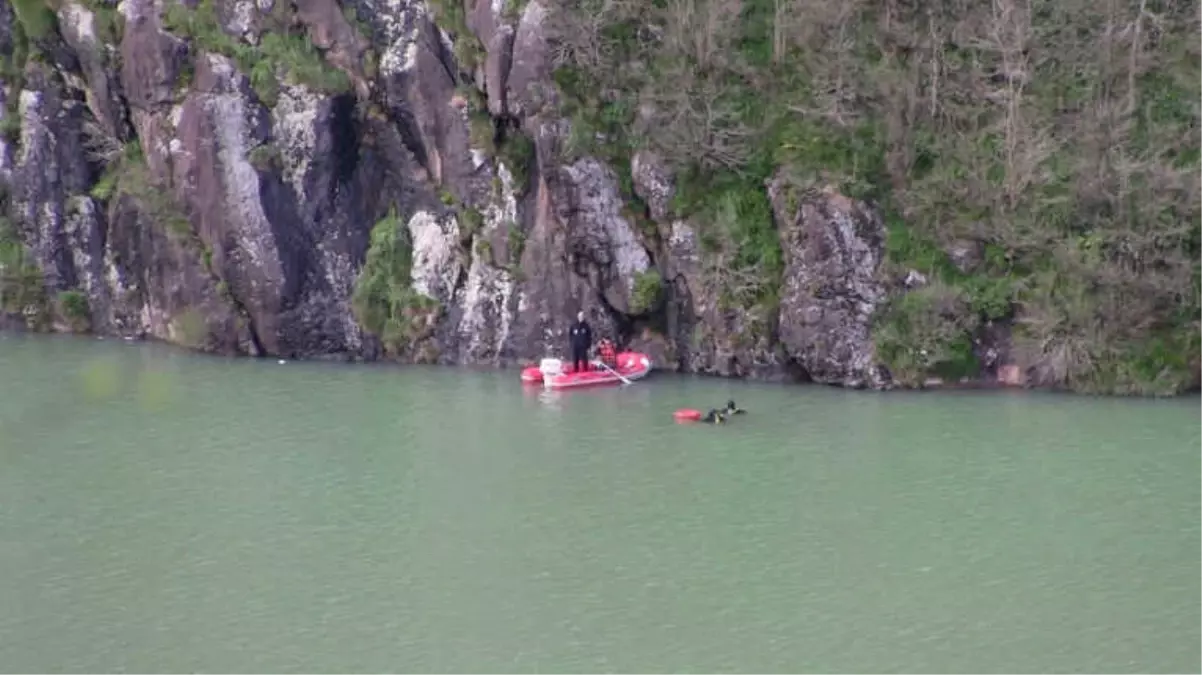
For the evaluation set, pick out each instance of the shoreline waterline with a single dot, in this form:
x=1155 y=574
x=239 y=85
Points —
x=991 y=386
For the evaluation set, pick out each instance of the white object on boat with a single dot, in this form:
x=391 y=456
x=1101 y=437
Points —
x=550 y=367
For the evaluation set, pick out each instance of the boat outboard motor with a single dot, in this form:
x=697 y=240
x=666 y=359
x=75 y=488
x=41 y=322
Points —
x=550 y=367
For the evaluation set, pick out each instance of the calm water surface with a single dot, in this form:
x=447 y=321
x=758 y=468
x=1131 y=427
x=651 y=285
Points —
x=165 y=512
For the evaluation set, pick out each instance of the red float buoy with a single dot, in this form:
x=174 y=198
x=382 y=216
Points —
x=687 y=415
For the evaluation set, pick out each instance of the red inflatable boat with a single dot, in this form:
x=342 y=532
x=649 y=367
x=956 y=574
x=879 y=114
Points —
x=555 y=374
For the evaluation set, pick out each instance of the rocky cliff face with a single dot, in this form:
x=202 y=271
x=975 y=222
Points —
x=365 y=179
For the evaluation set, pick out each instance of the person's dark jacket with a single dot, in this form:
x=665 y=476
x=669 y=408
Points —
x=581 y=335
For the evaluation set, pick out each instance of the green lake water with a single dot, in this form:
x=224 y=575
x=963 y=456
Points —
x=163 y=512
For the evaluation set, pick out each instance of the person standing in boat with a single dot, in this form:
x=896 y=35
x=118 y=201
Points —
x=580 y=338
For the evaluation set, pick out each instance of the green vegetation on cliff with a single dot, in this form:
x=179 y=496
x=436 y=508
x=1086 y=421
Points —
x=284 y=52
x=127 y=174
x=1054 y=141
x=648 y=291
x=496 y=138
x=36 y=18
x=12 y=74
x=384 y=301
x=451 y=15
x=21 y=288
x=73 y=307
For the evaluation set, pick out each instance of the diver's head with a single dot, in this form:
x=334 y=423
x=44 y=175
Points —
x=730 y=405
x=580 y=316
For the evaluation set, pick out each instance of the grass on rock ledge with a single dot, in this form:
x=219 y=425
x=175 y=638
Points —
x=384 y=301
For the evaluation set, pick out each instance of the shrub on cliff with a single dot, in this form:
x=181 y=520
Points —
x=21 y=286
x=36 y=17
x=284 y=52
x=648 y=291
x=73 y=306
x=384 y=301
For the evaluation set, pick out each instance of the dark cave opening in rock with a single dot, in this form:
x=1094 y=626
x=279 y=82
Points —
x=505 y=126
x=345 y=132
x=796 y=371
x=410 y=134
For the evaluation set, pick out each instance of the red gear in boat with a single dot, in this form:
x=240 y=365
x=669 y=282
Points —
x=606 y=352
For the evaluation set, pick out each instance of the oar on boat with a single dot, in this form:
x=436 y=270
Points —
x=616 y=373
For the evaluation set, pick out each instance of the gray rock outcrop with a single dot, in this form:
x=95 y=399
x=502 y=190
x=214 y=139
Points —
x=159 y=174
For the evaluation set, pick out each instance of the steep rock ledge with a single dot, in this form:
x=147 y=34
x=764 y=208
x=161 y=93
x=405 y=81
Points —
x=274 y=192
x=428 y=182
x=833 y=249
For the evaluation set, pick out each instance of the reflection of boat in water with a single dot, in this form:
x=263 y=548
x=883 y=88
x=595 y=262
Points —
x=552 y=374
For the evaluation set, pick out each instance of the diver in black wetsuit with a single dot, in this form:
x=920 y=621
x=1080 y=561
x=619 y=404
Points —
x=715 y=416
